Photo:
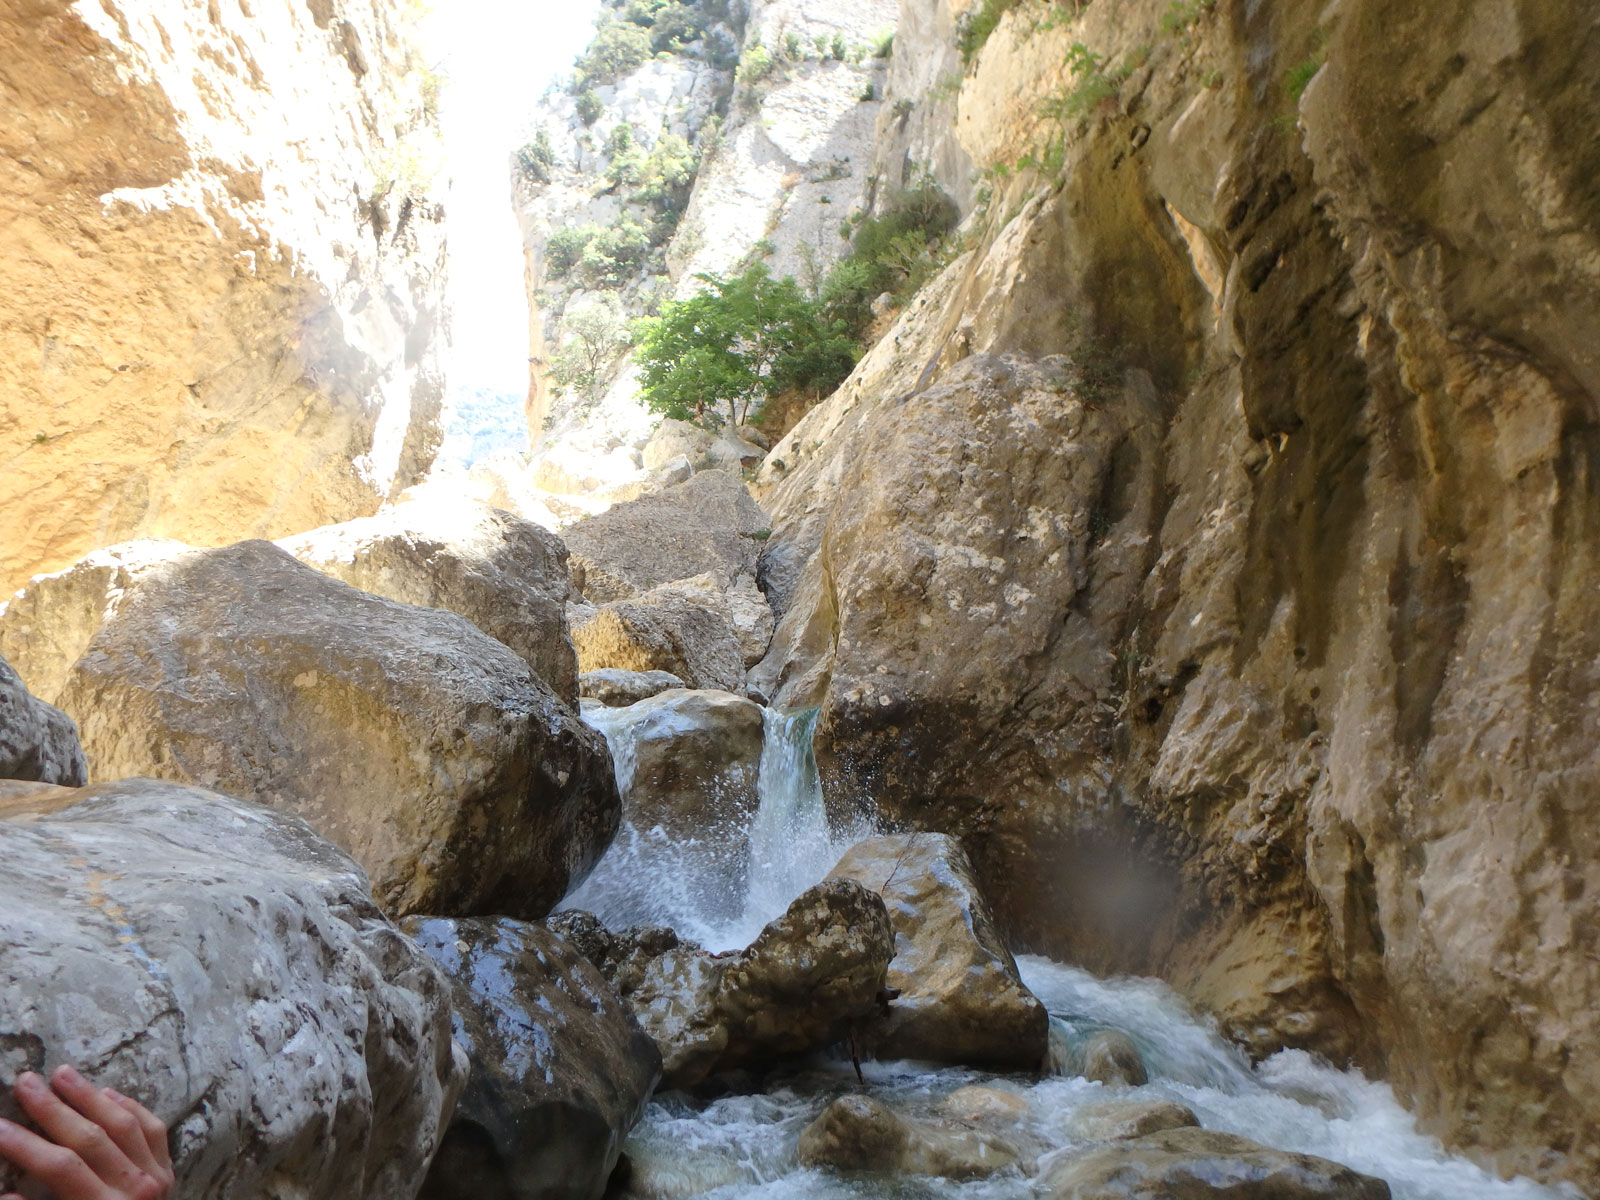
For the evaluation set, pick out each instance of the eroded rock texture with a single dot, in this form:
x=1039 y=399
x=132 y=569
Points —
x=227 y=966
x=38 y=742
x=421 y=745
x=960 y=999
x=505 y=575
x=1253 y=642
x=223 y=274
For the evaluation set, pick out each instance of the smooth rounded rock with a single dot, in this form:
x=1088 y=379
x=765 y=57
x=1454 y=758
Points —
x=1130 y=1119
x=560 y=1068
x=1110 y=1057
x=227 y=967
x=1202 y=1164
x=859 y=1133
x=616 y=688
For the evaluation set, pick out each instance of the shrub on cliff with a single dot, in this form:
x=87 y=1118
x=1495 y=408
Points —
x=716 y=355
x=618 y=47
x=896 y=251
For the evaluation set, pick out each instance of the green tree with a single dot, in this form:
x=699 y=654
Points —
x=596 y=335
x=737 y=343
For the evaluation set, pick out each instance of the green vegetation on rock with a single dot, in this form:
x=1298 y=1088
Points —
x=745 y=339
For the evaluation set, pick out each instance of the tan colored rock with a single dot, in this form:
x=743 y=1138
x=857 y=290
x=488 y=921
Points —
x=704 y=525
x=1309 y=730
x=858 y=1133
x=617 y=689
x=985 y=1104
x=961 y=999
x=676 y=439
x=505 y=575
x=221 y=312
x=1130 y=1119
x=661 y=633
x=38 y=742
x=228 y=967
x=424 y=747
x=692 y=762
x=1193 y=1164
x=1109 y=1056
x=741 y=603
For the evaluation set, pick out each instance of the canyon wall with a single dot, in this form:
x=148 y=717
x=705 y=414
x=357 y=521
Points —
x=224 y=274
x=769 y=119
x=1213 y=545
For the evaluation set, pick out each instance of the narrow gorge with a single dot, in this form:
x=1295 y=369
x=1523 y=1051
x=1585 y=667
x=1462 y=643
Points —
x=1035 y=630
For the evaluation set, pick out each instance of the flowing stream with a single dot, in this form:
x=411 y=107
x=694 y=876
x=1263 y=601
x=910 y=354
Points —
x=742 y=1146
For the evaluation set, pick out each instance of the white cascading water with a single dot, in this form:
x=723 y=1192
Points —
x=650 y=878
x=741 y=1147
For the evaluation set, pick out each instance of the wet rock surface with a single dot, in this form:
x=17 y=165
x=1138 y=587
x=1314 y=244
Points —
x=228 y=967
x=807 y=979
x=616 y=688
x=1196 y=1164
x=858 y=1133
x=406 y=735
x=961 y=1000
x=1110 y=1056
x=560 y=1069
x=504 y=574
x=1130 y=1119
x=38 y=742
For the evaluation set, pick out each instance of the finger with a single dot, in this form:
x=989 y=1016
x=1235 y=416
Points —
x=57 y=1167
x=153 y=1127
x=119 y=1124
x=75 y=1132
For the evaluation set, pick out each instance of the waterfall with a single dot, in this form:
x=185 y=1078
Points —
x=722 y=885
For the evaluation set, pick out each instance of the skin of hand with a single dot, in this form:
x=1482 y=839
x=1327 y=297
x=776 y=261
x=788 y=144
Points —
x=98 y=1143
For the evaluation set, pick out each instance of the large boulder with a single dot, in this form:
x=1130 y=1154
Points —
x=706 y=524
x=804 y=983
x=408 y=736
x=740 y=603
x=1111 y=1057
x=504 y=574
x=961 y=999
x=1121 y=1119
x=1198 y=1164
x=560 y=1068
x=38 y=741
x=858 y=1133
x=226 y=966
x=661 y=632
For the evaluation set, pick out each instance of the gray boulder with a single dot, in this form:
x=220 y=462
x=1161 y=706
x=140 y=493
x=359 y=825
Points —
x=804 y=983
x=504 y=574
x=1202 y=1164
x=226 y=966
x=961 y=999
x=38 y=741
x=706 y=524
x=616 y=688
x=560 y=1068
x=408 y=736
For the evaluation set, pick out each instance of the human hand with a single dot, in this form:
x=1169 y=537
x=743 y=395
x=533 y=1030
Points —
x=99 y=1144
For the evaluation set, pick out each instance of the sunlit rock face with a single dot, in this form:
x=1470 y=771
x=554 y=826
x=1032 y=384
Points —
x=781 y=154
x=1262 y=654
x=222 y=271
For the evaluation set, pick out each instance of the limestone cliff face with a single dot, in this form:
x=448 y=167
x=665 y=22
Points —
x=221 y=313
x=1252 y=642
x=779 y=105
